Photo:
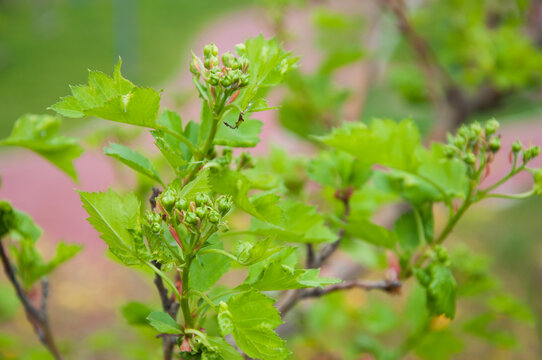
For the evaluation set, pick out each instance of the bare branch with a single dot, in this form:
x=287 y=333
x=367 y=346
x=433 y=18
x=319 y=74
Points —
x=38 y=318
x=314 y=261
x=390 y=286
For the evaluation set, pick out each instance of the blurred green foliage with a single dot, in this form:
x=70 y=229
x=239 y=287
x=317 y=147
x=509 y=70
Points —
x=45 y=44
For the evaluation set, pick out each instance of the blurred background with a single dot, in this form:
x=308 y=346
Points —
x=439 y=62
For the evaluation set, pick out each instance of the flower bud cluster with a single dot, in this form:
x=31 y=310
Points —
x=194 y=215
x=473 y=141
x=226 y=74
x=528 y=153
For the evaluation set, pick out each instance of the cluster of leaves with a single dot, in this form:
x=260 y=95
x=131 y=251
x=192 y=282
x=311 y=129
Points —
x=184 y=237
x=314 y=103
x=21 y=230
x=482 y=42
x=181 y=233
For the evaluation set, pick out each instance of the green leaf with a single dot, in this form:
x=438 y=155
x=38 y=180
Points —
x=208 y=268
x=251 y=318
x=440 y=288
x=159 y=249
x=116 y=218
x=39 y=133
x=7 y=218
x=235 y=184
x=64 y=252
x=410 y=187
x=338 y=170
x=30 y=265
x=134 y=160
x=136 y=313
x=298 y=223
x=115 y=99
x=274 y=275
x=25 y=228
x=483 y=326
x=383 y=142
x=450 y=175
x=249 y=253
x=442 y=345
x=370 y=232
x=174 y=150
x=406 y=231
x=164 y=323
x=269 y=62
x=199 y=185
x=223 y=349
x=246 y=135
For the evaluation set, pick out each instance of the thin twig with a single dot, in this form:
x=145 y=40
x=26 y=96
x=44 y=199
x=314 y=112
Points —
x=329 y=249
x=291 y=297
x=38 y=318
x=169 y=306
x=390 y=286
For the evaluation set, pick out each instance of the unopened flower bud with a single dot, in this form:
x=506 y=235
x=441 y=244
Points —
x=469 y=158
x=210 y=50
x=201 y=212
x=168 y=199
x=213 y=61
x=213 y=217
x=227 y=59
x=191 y=218
x=195 y=65
x=224 y=205
x=449 y=151
x=202 y=200
x=476 y=128
x=181 y=205
x=156 y=227
x=240 y=49
x=491 y=127
x=226 y=81
x=243 y=63
x=244 y=80
x=464 y=131
x=517 y=146
x=495 y=144
x=214 y=79
x=459 y=141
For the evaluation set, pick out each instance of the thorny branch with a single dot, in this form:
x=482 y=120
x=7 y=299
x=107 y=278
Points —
x=37 y=317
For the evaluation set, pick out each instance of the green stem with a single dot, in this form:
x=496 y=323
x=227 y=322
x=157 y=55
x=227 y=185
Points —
x=212 y=133
x=419 y=227
x=454 y=219
x=178 y=136
x=175 y=253
x=199 y=334
x=185 y=307
x=232 y=291
x=523 y=195
x=220 y=251
x=204 y=297
x=512 y=172
x=166 y=279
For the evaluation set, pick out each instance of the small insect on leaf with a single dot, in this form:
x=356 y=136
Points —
x=239 y=122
